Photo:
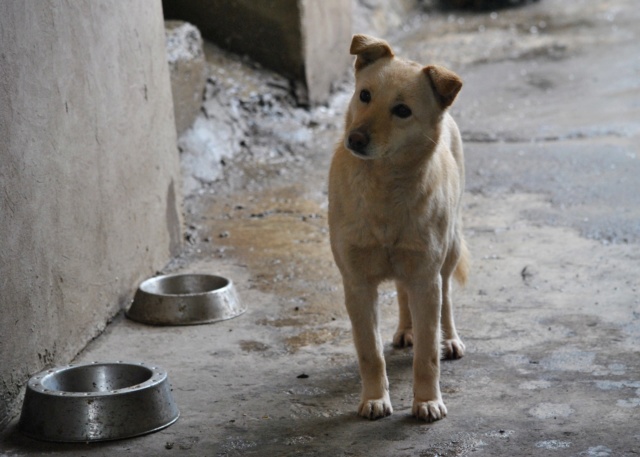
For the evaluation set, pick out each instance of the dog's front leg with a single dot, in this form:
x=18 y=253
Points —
x=362 y=302
x=425 y=300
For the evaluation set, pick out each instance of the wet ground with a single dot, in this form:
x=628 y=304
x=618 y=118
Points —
x=550 y=114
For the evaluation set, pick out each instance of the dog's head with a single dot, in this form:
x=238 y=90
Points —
x=397 y=104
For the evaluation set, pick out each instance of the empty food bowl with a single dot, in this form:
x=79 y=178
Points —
x=185 y=299
x=97 y=402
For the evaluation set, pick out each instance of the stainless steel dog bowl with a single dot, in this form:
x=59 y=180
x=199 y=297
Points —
x=185 y=299
x=97 y=402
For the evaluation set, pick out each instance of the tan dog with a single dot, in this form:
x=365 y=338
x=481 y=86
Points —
x=395 y=186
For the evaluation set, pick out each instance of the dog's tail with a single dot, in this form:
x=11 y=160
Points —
x=461 y=272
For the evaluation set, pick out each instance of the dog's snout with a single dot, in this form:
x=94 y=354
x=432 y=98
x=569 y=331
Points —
x=358 y=140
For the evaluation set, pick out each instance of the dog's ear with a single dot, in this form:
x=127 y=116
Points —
x=368 y=49
x=445 y=84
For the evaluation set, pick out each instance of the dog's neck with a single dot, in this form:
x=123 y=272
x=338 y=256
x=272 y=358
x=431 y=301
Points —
x=405 y=166
x=391 y=181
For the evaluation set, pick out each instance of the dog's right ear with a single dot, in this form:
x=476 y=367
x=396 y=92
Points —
x=368 y=49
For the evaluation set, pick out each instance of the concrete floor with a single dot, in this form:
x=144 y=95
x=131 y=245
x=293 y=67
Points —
x=550 y=113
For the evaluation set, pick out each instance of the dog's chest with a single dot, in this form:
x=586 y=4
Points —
x=395 y=223
x=374 y=206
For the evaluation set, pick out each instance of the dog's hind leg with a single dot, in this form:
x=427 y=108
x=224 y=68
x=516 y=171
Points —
x=452 y=345
x=362 y=301
x=404 y=334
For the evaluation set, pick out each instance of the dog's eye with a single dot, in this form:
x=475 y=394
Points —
x=402 y=111
x=365 y=96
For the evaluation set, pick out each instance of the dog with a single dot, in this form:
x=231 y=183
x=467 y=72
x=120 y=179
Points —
x=395 y=184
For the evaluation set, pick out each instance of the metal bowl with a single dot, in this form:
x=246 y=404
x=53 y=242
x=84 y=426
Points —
x=97 y=402
x=185 y=299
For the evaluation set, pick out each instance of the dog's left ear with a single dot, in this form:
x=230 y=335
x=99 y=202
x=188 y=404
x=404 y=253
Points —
x=369 y=49
x=445 y=84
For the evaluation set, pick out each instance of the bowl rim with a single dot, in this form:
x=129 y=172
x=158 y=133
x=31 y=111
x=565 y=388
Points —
x=36 y=382
x=143 y=285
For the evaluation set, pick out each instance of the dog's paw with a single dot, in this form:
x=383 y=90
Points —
x=429 y=411
x=375 y=409
x=403 y=338
x=452 y=349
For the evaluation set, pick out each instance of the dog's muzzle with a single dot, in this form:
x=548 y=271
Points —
x=357 y=141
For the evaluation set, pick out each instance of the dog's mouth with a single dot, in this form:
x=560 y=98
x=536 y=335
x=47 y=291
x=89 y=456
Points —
x=360 y=154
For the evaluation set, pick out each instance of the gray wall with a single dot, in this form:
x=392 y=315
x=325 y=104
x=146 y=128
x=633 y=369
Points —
x=89 y=191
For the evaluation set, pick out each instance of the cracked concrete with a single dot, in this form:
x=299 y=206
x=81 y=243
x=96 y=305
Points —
x=551 y=314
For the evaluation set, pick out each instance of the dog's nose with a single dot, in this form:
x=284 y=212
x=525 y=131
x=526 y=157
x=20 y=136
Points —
x=358 y=140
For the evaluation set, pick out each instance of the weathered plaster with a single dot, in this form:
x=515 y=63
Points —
x=88 y=174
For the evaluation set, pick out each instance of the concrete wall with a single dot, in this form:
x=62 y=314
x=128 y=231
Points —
x=305 y=40
x=187 y=68
x=89 y=191
x=384 y=17
x=326 y=38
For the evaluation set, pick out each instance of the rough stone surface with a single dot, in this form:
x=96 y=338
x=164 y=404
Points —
x=550 y=315
x=89 y=175
x=243 y=112
x=300 y=39
x=385 y=17
x=187 y=69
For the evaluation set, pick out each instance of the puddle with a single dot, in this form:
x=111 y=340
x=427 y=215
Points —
x=253 y=346
x=570 y=360
x=615 y=385
x=629 y=403
x=237 y=444
x=551 y=410
x=280 y=234
x=535 y=385
x=313 y=337
x=500 y=434
x=553 y=444
x=597 y=451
